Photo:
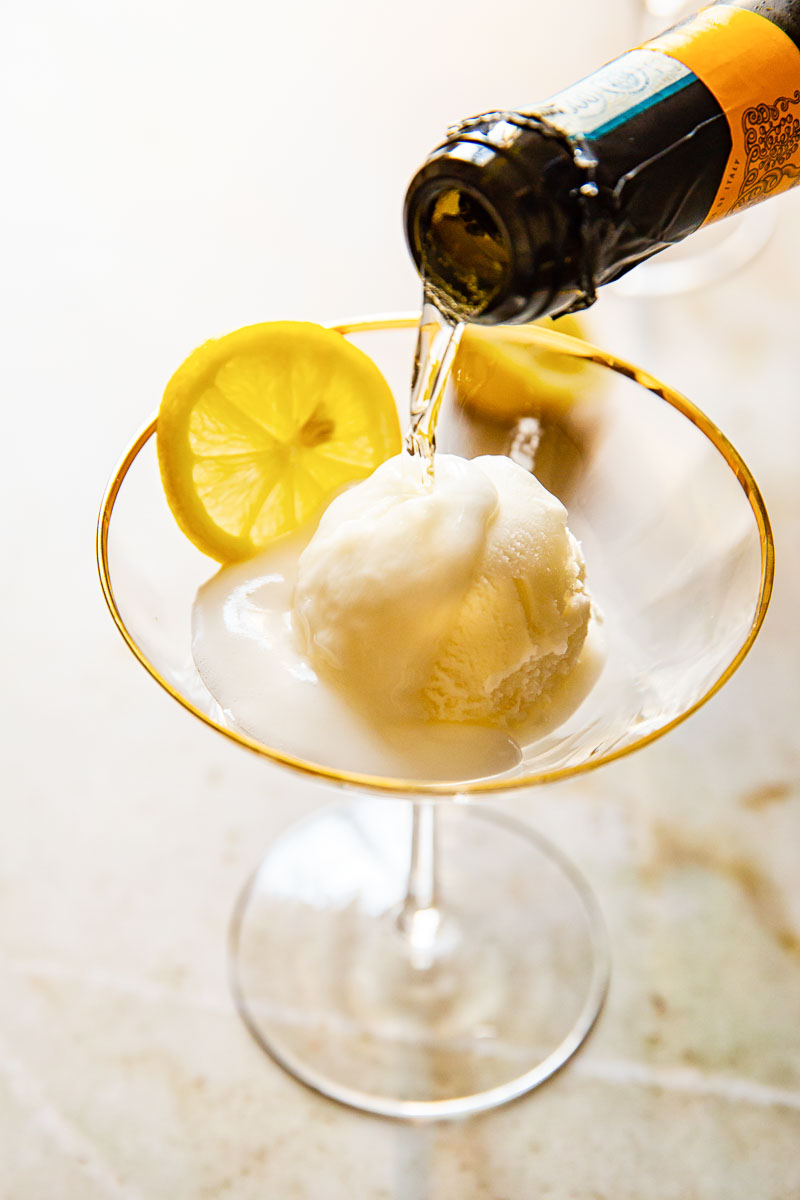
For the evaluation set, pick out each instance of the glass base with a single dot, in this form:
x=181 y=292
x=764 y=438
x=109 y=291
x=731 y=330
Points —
x=474 y=1000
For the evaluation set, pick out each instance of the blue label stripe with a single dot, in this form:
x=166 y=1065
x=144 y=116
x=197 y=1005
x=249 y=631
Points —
x=620 y=90
x=635 y=109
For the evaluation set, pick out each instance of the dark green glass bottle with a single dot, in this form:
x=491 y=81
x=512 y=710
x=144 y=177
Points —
x=519 y=214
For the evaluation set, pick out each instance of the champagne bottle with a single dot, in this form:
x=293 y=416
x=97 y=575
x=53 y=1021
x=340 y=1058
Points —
x=519 y=214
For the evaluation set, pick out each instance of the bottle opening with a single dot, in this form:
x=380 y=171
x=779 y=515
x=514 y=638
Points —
x=466 y=256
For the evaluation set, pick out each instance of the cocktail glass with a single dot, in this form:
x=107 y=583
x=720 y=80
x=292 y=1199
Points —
x=408 y=949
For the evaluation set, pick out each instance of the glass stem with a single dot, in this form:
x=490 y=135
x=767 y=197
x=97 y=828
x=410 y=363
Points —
x=420 y=917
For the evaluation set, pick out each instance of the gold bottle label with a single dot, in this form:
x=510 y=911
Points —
x=752 y=69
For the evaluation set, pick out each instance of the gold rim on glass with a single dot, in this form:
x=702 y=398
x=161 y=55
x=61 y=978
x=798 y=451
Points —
x=564 y=344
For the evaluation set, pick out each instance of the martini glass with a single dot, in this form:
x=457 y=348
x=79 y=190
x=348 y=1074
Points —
x=408 y=950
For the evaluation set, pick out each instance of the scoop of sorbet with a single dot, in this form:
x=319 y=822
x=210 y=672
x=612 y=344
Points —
x=461 y=600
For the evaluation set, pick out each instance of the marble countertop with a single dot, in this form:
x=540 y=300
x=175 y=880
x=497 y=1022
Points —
x=175 y=171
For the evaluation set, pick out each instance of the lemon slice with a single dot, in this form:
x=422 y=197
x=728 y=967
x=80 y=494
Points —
x=258 y=430
x=503 y=375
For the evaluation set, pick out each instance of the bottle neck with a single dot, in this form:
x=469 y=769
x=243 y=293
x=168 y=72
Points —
x=499 y=220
